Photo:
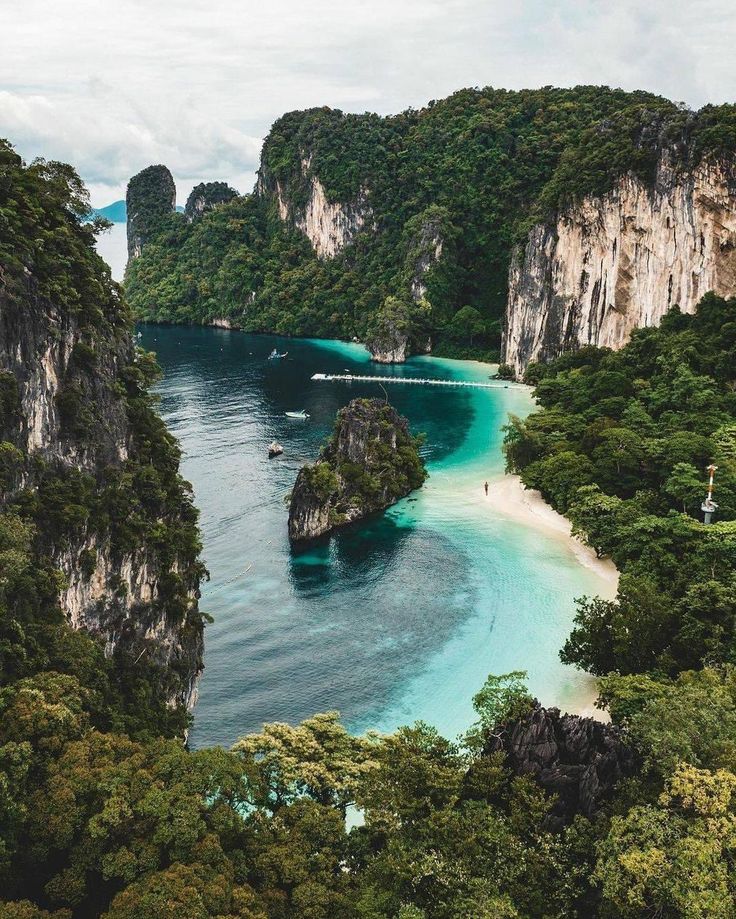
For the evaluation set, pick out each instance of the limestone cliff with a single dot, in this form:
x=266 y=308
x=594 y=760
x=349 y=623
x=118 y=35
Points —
x=149 y=199
x=302 y=201
x=398 y=329
x=387 y=343
x=369 y=463
x=71 y=417
x=426 y=247
x=87 y=465
x=608 y=265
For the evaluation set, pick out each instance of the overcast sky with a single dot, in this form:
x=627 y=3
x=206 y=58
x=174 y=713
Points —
x=114 y=85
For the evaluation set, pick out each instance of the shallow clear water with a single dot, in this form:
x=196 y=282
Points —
x=399 y=618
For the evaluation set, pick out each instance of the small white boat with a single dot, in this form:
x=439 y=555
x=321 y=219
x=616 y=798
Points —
x=301 y=415
x=274 y=449
x=275 y=356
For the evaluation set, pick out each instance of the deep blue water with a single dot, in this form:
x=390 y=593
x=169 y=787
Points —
x=396 y=619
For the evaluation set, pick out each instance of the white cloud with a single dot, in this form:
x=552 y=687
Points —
x=113 y=85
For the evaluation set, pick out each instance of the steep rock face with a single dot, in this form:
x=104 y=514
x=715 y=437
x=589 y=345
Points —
x=45 y=350
x=611 y=264
x=579 y=760
x=311 y=510
x=72 y=417
x=389 y=343
x=398 y=329
x=115 y=597
x=428 y=248
x=150 y=197
x=369 y=463
x=328 y=225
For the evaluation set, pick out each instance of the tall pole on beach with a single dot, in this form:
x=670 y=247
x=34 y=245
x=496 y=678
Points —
x=709 y=506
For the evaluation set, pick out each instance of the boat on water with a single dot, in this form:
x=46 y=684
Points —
x=301 y=414
x=274 y=449
x=275 y=356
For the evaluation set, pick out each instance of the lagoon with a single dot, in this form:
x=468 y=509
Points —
x=396 y=619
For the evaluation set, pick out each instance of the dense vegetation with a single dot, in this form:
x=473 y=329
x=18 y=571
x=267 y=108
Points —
x=103 y=812
x=621 y=447
x=472 y=171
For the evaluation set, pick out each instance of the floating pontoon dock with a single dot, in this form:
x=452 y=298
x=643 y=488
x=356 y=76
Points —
x=419 y=381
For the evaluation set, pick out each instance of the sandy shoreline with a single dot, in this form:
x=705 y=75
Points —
x=507 y=496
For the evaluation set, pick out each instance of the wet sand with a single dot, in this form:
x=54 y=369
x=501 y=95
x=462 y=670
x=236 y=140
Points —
x=508 y=496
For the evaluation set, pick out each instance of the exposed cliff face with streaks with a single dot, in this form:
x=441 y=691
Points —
x=328 y=225
x=428 y=249
x=87 y=469
x=113 y=593
x=116 y=598
x=611 y=264
x=48 y=353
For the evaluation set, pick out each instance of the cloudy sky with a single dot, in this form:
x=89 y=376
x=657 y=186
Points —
x=114 y=85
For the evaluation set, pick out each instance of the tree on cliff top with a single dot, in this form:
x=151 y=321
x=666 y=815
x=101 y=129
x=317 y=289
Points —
x=205 y=196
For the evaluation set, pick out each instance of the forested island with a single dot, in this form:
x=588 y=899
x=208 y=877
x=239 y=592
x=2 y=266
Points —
x=104 y=812
x=370 y=462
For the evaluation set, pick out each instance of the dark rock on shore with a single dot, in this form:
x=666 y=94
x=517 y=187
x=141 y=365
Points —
x=579 y=760
x=369 y=463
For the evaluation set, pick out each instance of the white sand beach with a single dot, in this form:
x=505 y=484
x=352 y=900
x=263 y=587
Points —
x=509 y=497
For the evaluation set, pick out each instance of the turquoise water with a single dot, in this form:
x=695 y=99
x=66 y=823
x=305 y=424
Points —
x=397 y=619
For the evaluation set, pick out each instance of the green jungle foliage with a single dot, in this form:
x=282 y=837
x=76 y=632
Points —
x=103 y=811
x=473 y=170
x=149 y=201
x=621 y=446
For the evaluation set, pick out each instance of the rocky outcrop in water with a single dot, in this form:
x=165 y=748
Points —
x=150 y=198
x=579 y=760
x=388 y=342
x=205 y=196
x=396 y=332
x=302 y=201
x=608 y=265
x=370 y=462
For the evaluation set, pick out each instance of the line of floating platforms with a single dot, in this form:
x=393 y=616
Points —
x=359 y=378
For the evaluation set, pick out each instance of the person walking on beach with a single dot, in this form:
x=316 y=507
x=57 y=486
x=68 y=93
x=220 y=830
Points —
x=486 y=488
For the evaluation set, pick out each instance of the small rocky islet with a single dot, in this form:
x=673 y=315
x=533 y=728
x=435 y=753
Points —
x=370 y=462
